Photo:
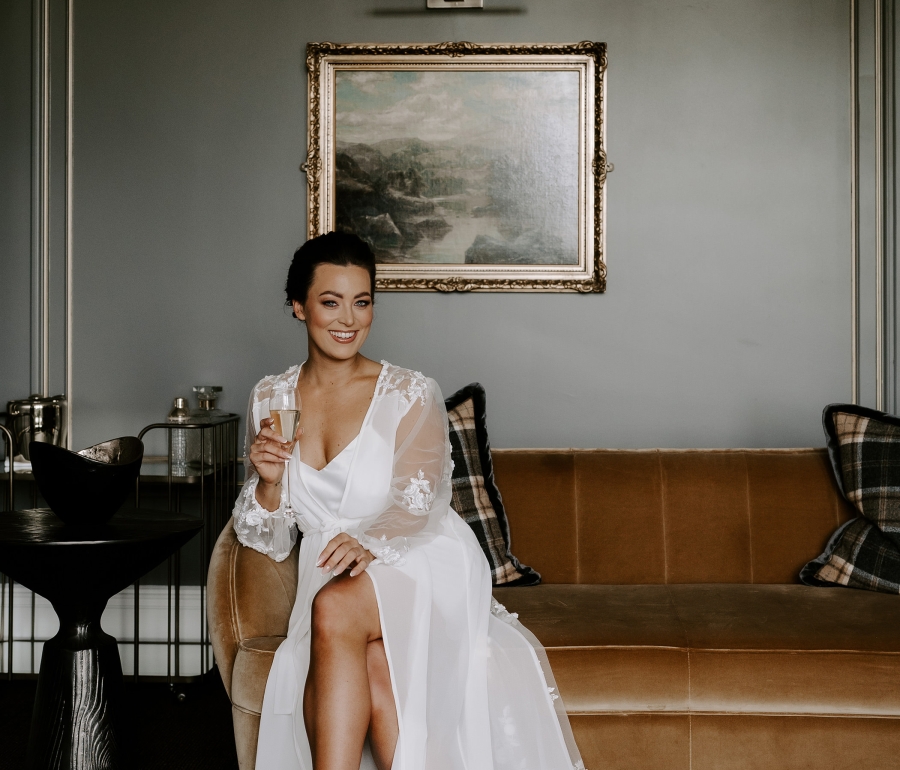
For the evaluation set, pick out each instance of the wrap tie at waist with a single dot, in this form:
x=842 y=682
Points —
x=309 y=525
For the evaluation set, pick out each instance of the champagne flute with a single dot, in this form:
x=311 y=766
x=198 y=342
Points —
x=284 y=407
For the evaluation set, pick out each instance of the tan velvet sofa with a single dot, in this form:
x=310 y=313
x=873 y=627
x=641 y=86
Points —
x=670 y=610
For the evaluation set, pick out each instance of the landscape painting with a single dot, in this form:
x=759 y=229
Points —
x=459 y=167
x=463 y=169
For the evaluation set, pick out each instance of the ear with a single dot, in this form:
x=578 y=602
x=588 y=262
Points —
x=298 y=311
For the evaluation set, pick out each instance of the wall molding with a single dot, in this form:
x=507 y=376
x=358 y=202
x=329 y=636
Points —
x=855 y=385
x=873 y=352
x=44 y=250
x=885 y=168
x=40 y=200
x=70 y=160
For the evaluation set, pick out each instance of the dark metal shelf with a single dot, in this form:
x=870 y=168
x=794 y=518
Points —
x=207 y=492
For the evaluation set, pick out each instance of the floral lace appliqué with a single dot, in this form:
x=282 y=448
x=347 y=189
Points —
x=254 y=516
x=250 y=518
x=390 y=556
x=270 y=381
x=418 y=495
x=501 y=613
x=264 y=387
x=417 y=388
x=392 y=377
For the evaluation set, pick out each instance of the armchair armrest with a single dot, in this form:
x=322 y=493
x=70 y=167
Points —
x=249 y=595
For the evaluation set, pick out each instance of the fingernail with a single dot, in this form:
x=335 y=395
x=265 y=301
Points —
x=336 y=573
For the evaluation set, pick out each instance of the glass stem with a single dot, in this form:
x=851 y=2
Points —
x=287 y=482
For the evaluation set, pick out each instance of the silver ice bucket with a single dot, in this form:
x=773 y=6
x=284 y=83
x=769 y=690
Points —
x=37 y=418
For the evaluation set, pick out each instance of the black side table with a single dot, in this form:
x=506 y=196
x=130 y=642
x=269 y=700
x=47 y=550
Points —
x=79 y=695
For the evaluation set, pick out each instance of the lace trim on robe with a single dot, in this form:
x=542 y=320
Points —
x=418 y=497
x=512 y=618
x=251 y=517
x=392 y=377
x=501 y=613
x=389 y=555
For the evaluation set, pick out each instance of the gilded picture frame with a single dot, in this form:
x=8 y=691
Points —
x=467 y=167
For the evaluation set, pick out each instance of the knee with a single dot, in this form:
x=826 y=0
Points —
x=331 y=612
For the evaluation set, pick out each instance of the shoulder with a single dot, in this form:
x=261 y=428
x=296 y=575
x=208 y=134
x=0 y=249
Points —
x=407 y=384
x=263 y=389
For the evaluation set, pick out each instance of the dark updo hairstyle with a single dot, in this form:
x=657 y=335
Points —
x=342 y=249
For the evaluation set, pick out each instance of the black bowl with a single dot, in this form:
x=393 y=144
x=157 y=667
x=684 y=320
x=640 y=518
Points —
x=89 y=486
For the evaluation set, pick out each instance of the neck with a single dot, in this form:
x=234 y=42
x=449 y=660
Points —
x=322 y=369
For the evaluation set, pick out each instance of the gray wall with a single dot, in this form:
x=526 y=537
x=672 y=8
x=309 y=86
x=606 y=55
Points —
x=15 y=200
x=726 y=321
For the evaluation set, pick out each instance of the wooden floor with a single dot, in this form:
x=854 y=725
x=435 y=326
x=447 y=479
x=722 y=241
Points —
x=165 y=734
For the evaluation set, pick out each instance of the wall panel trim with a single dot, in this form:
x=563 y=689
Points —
x=854 y=203
x=885 y=218
x=44 y=252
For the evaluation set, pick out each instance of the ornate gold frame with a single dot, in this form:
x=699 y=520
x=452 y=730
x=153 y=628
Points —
x=589 y=59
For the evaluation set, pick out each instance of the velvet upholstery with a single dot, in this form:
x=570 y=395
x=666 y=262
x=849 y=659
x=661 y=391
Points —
x=250 y=596
x=246 y=734
x=717 y=648
x=670 y=610
x=734 y=742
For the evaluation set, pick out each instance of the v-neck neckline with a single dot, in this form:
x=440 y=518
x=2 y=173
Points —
x=362 y=426
x=334 y=459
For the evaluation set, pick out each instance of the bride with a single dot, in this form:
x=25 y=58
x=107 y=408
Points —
x=397 y=657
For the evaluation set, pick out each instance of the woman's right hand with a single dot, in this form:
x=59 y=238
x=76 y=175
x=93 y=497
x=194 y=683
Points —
x=268 y=453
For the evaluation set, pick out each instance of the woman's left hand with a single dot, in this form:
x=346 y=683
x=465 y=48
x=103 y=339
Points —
x=341 y=552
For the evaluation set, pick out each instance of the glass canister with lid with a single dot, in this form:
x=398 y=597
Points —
x=205 y=413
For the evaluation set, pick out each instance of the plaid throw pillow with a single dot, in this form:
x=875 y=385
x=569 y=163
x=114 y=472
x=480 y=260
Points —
x=475 y=495
x=864 y=447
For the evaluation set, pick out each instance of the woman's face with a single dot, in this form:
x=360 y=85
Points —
x=338 y=309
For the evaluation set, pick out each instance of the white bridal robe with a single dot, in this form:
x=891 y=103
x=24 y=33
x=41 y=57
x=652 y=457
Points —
x=472 y=686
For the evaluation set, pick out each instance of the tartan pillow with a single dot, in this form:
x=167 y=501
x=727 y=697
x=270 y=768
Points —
x=475 y=495
x=864 y=448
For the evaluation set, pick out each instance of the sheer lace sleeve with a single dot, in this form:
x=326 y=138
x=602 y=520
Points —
x=420 y=492
x=269 y=532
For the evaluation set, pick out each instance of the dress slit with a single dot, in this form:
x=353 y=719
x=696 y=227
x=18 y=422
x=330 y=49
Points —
x=387 y=654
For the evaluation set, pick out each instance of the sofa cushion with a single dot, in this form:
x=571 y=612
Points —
x=717 y=648
x=475 y=495
x=642 y=741
x=864 y=447
x=638 y=516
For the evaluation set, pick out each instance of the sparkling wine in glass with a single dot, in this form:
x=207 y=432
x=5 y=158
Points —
x=284 y=407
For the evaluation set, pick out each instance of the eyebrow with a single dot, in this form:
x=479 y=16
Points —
x=341 y=296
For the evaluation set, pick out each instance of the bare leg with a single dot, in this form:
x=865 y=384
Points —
x=338 y=701
x=383 y=728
